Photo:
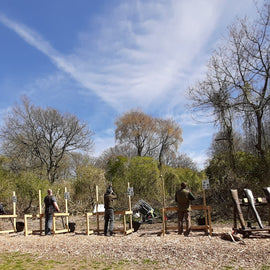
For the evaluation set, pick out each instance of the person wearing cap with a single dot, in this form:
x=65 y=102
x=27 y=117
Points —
x=183 y=197
x=51 y=206
x=109 y=197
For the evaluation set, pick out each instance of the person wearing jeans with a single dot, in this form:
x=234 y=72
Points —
x=51 y=206
x=109 y=196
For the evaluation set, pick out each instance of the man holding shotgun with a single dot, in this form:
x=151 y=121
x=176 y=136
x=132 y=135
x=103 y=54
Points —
x=109 y=196
x=183 y=198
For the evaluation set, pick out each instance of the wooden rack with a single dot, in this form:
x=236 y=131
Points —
x=41 y=215
x=247 y=231
x=12 y=217
x=207 y=212
x=124 y=230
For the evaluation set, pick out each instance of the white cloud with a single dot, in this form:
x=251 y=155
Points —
x=199 y=157
x=140 y=52
x=144 y=54
x=104 y=141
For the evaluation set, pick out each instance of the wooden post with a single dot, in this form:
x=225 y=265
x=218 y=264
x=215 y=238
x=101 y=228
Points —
x=205 y=211
x=97 y=210
x=40 y=211
x=164 y=205
x=66 y=210
x=163 y=221
x=14 y=212
x=129 y=208
x=209 y=218
x=53 y=225
x=25 y=226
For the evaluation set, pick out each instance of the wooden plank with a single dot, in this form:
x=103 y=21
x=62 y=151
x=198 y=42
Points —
x=8 y=216
x=88 y=231
x=61 y=214
x=171 y=228
x=255 y=230
x=61 y=231
x=99 y=214
x=7 y=231
x=129 y=231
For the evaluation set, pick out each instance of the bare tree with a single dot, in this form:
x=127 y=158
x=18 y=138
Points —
x=169 y=137
x=151 y=136
x=237 y=81
x=43 y=135
x=182 y=160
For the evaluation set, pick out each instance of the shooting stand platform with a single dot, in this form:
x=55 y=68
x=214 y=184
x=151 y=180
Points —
x=27 y=231
x=12 y=217
x=207 y=212
x=124 y=230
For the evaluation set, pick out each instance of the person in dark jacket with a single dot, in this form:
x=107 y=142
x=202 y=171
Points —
x=183 y=197
x=2 y=210
x=51 y=206
x=109 y=196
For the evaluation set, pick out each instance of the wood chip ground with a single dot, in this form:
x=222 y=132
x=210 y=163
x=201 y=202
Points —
x=146 y=249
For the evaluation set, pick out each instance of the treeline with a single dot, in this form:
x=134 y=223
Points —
x=43 y=148
x=142 y=173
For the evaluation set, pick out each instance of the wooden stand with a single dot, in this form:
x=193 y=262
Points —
x=12 y=217
x=129 y=213
x=62 y=215
x=247 y=231
x=207 y=211
x=41 y=215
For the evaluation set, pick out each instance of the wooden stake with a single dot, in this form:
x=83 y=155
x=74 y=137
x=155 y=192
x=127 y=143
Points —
x=14 y=212
x=164 y=205
x=129 y=208
x=40 y=211
x=66 y=209
x=97 y=209
x=205 y=212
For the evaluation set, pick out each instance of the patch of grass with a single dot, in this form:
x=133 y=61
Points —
x=22 y=261
x=148 y=261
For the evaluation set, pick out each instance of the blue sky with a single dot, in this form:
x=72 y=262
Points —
x=98 y=59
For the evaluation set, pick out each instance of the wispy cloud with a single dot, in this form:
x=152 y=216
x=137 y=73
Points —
x=141 y=54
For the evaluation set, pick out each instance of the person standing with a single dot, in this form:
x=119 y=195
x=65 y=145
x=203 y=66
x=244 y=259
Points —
x=183 y=197
x=2 y=210
x=51 y=206
x=109 y=197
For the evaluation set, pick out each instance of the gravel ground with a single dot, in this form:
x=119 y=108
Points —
x=173 y=251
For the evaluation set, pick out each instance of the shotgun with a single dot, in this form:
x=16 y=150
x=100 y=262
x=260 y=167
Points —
x=251 y=202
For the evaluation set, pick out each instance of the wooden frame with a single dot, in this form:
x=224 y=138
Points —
x=12 y=217
x=41 y=215
x=246 y=231
x=62 y=215
x=208 y=224
x=128 y=213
